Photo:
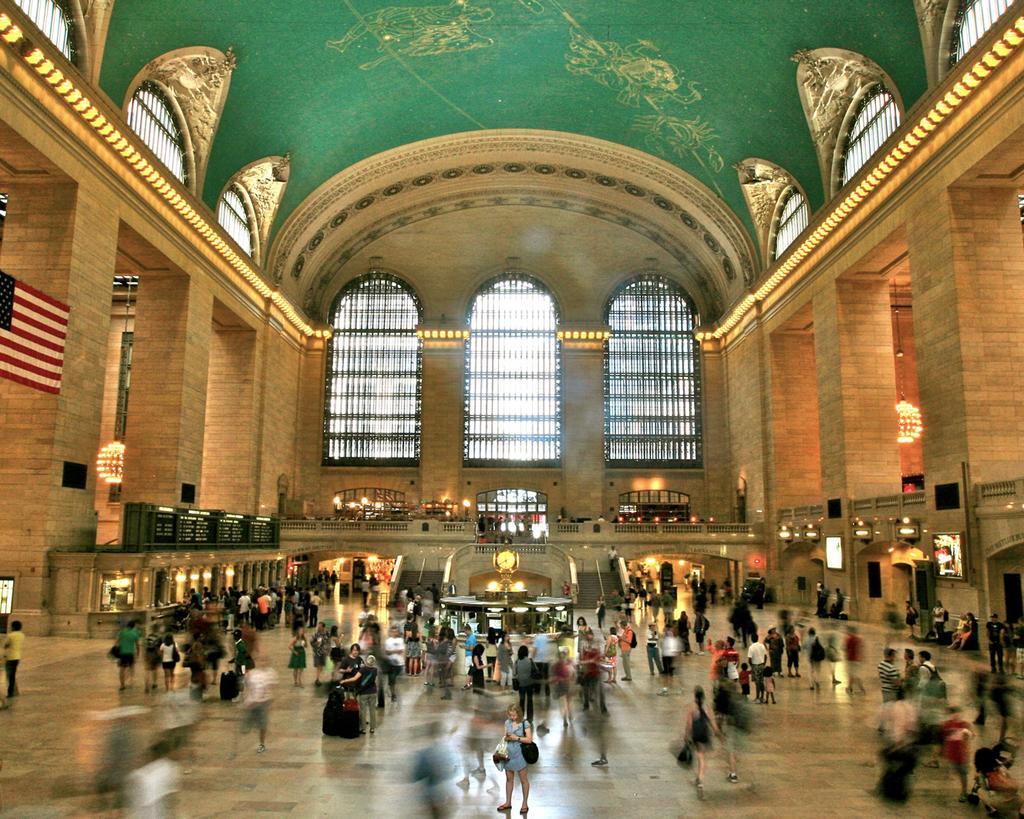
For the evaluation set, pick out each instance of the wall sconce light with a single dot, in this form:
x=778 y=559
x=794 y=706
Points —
x=863 y=531
x=812 y=533
x=909 y=530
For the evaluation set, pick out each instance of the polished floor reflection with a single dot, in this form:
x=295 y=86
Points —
x=808 y=755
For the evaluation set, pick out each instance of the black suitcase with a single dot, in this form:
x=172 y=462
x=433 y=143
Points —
x=333 y=712
x=228 y=685
x=349 y=720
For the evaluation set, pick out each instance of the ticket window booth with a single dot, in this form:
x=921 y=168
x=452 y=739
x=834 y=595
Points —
x=117 y=592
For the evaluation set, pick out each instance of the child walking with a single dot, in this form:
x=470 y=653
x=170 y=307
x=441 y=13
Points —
x=745 y=680
x=769 y=685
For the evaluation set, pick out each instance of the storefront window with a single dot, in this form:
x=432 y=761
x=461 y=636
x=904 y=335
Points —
x=117 y=593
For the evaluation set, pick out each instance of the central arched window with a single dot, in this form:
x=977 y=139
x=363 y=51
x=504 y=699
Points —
x=877 y=118
x=513 y=391
x=652 y=377
x=974 y=18
x=372 y=407
x=53 y=18
x=792 y=220
x=233 y=216
x=151 y=117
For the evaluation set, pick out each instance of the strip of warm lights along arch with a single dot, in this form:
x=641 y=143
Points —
x=915 y=135
x=65 y=88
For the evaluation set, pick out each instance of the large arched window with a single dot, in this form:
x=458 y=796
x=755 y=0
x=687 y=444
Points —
x=652 y=377
x=233 y=216
x=513 y=392
x=151 y=117
x=372 y=407
x=974 y=18
x=877 y=118
x=793 y=219
x=53 y=18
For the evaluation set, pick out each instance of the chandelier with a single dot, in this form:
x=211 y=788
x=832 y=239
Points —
x=908 y=422
x=908 y=417
x=110 y=462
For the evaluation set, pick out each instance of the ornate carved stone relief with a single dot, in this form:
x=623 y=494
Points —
x=198 y=79
x=96 y=19
x=828 y=81
x=762 y=183
x=264 y=181
x=931 y=21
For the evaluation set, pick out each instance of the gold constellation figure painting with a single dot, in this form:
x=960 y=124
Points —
x=419 y=31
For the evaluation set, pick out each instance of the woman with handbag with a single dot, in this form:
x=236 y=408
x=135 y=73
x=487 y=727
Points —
x=699 y=727
x=517 y=733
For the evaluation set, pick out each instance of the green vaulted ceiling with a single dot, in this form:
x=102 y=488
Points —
x=700 y=83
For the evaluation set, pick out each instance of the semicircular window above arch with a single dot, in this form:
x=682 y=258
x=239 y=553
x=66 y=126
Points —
x=150 y=115
x=974 y=18
x=878 y=116
x=234 y=217
x=53 y=18
x=513 y=378
x=793 y=220
x=374 y=367
x=652 y=377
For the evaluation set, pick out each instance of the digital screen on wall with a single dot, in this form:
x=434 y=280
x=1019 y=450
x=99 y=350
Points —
x=834 y=553
x=948 y=555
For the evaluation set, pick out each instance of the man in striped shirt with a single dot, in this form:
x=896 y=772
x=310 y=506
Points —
x=889 y=676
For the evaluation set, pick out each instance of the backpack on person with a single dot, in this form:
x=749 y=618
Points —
x=700 y=731
x=935 y=687
x=817 y=651
x=632 y=638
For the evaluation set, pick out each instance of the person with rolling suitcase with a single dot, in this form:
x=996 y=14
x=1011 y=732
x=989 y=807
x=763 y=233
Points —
x=228 y=685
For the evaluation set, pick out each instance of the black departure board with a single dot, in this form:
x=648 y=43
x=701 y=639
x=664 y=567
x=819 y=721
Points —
x=149 y=527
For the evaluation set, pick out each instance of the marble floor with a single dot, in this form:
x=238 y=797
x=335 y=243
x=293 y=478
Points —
x=809 y=755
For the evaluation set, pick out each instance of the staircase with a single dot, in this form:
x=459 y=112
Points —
x=590 y=587
x=410 y=579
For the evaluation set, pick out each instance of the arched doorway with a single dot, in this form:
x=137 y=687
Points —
x=892 y=572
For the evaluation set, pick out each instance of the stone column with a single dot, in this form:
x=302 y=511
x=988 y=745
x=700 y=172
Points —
x=167 y=407
x=444 y=362
x=582 y=428
x=60 y=239
x=967 y=280
x=856 y=384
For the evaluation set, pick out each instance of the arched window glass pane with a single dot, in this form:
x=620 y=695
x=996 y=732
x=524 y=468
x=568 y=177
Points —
x=652 y=377
x=972 y=21
x=875 y=122
x=53 y=19
x=513 y=394
x=792 y=221
x=150 y=116
x=372 y=413
x=234 y=218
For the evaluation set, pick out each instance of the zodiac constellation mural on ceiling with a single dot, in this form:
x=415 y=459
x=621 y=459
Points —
x=419 y=31
x=637 y=73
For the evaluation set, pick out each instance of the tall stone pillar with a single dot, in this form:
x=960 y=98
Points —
x=856 y=384
x=967 y=280
x=167 y=405
x=444 y=362
x=60 y=239
x=583 y=429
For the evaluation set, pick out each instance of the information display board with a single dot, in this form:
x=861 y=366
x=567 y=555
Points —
x=148 y=527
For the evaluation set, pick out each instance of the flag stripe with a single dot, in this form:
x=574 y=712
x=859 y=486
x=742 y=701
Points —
x=39 y=294
x=41 y=309
x=22 y=376
x=24 y=319
x=30 y=351
x=31 y=337
x=44 y=372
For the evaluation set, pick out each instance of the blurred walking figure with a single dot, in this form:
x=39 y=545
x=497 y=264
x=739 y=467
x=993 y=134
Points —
x=562 y=676
x=430 y=768
x=698 y=729
x=169 y=659
x=671 y=648
x=899 y=727
x=259 y=694
x=151 y=788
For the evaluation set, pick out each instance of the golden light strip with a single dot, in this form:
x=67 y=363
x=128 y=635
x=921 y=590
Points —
x=65 y=88
x=914 y=137
x=431 y=334
x=589 y=335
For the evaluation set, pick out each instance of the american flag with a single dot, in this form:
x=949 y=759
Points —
x=33 y=327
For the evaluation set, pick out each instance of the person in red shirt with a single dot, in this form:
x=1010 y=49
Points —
x=854 y=647
x=956 y=740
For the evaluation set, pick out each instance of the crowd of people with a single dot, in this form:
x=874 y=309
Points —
x=726 y=657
